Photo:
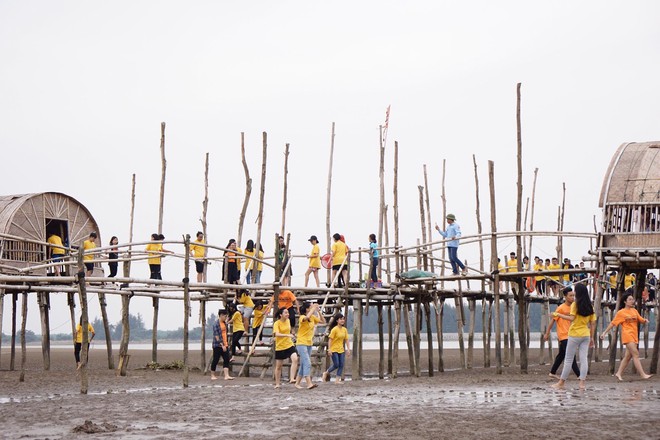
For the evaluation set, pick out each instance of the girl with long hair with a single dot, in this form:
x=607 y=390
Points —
x=338 y=347
x=284 y=348
x=580 y=335
x=309 y=317
x=113 y=255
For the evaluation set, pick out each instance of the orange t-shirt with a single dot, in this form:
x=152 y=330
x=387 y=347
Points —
x=628 y=318
x=562 y=324
x=285 y=299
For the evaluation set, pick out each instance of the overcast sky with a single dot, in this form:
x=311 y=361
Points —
x=84 y=87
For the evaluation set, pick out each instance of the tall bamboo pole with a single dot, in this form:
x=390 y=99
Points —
x=126 y=265
x=443 y=198
x=395 y=206
x=12 y=350
x=23 y=344
x=429 y=225
x=106 y=329
x=248 y=191
x=43 y=312
x=202 y=303
x=494 y=266
x=84 y=353
x=186 y=307
x=481 y=262
x=381 y=206
x=531 y=216
x=262 y=192
x=522 y=307
x=328 y=196
x=285 y=189
x=154 y=336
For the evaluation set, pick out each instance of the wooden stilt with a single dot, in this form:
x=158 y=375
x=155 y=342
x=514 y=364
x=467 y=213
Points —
x=84 y=352
x=619 y=302
x=417 y=335
x=473 y=315
x=544 y=327
x=409 y=338
x=357 y=337
x=125 y=335
x=106 y=328
x=494 y=265
x=12 y=354
x=507 y=311
x=186 y=308
x=429 y=336
x=154 y=331
x=489 y=334
x=458 y=303
x=248 y=191
x=43 y=312
x=154 y=334
x=389 y=339
x=395 y=347
x=381 y=341
x=327 y=198
x=202 y=319
x=23 y=345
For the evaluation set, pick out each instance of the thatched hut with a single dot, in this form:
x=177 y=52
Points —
x=26 y=220
x=630 y=198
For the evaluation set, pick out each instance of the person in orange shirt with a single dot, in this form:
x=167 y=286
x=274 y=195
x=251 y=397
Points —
x=629 y=319
x=287 y=300
x=562 y=332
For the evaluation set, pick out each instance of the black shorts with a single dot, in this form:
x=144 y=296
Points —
x=199 y=266
x=285 y=354
x=89 y=266
x=338 y=266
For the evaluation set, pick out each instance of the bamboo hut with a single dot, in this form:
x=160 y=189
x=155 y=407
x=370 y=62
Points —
x=27 y=220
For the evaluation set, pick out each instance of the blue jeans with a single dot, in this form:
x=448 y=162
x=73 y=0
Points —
x=453 y=259
x=304 y=354
x=337 y=363
x=374 y=272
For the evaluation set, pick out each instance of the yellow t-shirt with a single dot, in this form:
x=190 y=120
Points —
x=339 y=250
x=512 y=265
x=337 y=337
x=249 y=261
x=306 y=330
x=538 y=267
x=154 y=247
x=257 y=317
x=282 y=342
x=612 y=282
x=237 y=322
x=79 y=332
x=554 y=267
x=88 y=245
x=239 y=258
x=567 y=277
x=579 y=326
x=198 y=251
x=246 y=300
x=628 y=281
x=56 y=240
x=315 y=257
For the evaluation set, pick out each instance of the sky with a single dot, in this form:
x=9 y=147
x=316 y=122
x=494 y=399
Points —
x=84 y=87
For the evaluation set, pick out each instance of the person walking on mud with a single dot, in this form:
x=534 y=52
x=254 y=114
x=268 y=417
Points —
x=628 y=318
x=453 y=233
x=562 y=332
x=580 y=335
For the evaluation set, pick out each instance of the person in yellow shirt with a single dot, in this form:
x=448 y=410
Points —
x=567 y=277
x=155 y=249
x=57 y=251
x=284 y=348
x=260 y=314
x=230 y=269
x=88 y=258
x=540 y=279
x=554 y=282
x=245 y=300
x=628 y=318
x=511 y=267
x=238 y=328
x=338 y=347
x=580 y=335
x=77 y=343
x=339 y=253
x=563 y=326
x=314 y=261
x=198 y=252
x=628 y=282
x=309 y=317
x=249 y=263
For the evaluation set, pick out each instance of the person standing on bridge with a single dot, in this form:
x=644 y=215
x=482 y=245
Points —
x=453 y=233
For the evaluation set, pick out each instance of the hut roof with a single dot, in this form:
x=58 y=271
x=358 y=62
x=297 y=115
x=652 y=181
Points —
x=633 y=175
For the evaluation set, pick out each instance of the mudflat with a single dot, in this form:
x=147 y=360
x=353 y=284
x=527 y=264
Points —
x=474 y=403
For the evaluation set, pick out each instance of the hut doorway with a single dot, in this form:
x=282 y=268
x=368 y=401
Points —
x=60 y=228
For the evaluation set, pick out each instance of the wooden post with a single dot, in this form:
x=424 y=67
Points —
x=202 y=303
x=438 y=305
x=381 y=341
x=45 y=337
x=429 y=336
x=387 y=245
x=248 y=191
x=619 y=302
x=284 y=190
x=106 y=328
x=126 y=265
x=494 y=266
x=395 y=347
x=409 y=339
x=327 y=197
x=458 y=303
x=154 y=335
x=443 y=198
x=202 y=318
x=357 y=338
x=395 y=206
x=23 y=346
x=84 y=353
x=470 y=353
x=186 y=307
x=417 y=335
x=12 y=354
x=545 y=310
x=429 y=236
x=125 y=335
x=389 y=339
x=522 y=304
x=71 y=302
x=531 y=216
x=262 y=192
x=489 y=332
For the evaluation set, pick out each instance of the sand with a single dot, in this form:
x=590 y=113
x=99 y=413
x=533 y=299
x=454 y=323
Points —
x=476 y=403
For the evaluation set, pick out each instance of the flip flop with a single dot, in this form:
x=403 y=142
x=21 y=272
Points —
x=312 y=386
